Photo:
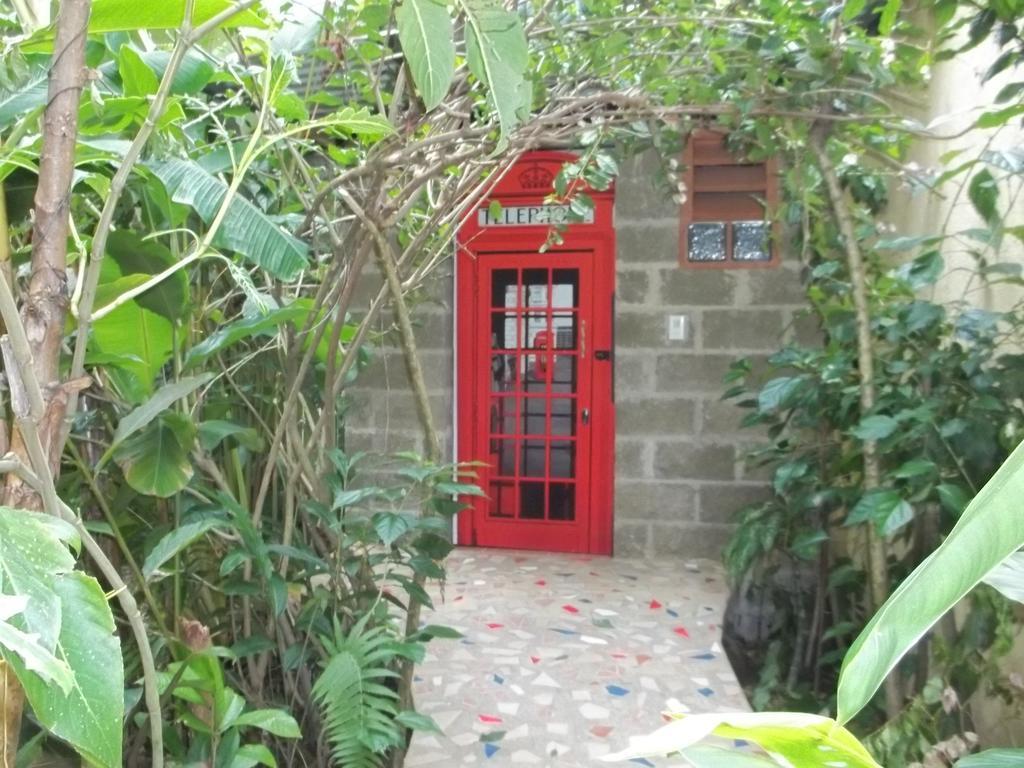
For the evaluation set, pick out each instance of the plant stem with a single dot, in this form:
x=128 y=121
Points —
x=878 y=569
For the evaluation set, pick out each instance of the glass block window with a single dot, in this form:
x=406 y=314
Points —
x=724 y=220
x=706 y=242
x=751 y=241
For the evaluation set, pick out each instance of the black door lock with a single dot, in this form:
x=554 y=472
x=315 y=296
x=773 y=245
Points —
x=602 y=354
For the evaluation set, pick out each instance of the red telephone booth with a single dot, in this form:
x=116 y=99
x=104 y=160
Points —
x=535 y=368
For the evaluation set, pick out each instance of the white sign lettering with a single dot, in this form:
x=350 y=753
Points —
x=529 y=216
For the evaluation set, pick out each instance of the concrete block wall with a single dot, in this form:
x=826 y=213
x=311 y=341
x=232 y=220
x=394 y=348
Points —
x=382 y=418
x=680 y=469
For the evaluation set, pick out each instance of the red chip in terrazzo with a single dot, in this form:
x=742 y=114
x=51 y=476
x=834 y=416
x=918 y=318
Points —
x=540 y=583
x=601 y=731
x=490 y=719
x=618 y=655
x=655 y=605
x=642 y=659
x=570 y=609
x=681 y=631
x=535 y=659
x=495 y=626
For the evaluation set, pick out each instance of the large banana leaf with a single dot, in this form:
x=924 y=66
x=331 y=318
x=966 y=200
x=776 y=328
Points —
x=245 y=229
x=990 y=530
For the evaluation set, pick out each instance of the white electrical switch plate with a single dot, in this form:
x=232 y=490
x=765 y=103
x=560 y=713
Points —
x=678 y=328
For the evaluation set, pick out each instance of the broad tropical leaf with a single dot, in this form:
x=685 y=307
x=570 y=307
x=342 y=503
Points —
x=90 y=715
x=497 y=54
x=131 y=15
x=141 y=341
x=129 y=254
x=156 y=460
x=22 y=99
x=33 y=556
x=26 y=647
x=808 y=741
x=989 y=531
x=1008 y=577
x=425 y=32
x=245 y=229
x=994 y=758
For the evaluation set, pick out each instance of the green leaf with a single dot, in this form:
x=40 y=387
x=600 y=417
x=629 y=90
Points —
x=358 y=122
x=33 y=556
x=876 y=427
x=177 y=540
x=212 y=433
x=915 y=468
x=137 y=79
x=253 y=754
x=999 y=117
x=778 y=393
x=90 y=716
x=889 y=15
x=29 y=96
x=994 y=758
x=719 y=757
x=273 y=721
x=984 y=194
x=234 y=332
x=245 y=229
x=438 y=631
x=390 y=526
x=156 y=461
x=162 y=399
x=497 y=54
x=989 y=531
x=131 y=15
x=141 y=340
x=884 y=507
x=1008 y=577
x=807 y=741
x=417 y=721
x=194 y=72
x=425 y=32
x=132 y=255
x=852 y=9
x=27 y=648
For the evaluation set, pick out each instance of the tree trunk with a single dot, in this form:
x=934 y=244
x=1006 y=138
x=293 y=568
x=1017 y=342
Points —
x=878 y=567
x=44 y=311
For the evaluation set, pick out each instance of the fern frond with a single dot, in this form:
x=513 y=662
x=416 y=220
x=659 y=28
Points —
x=359 y=706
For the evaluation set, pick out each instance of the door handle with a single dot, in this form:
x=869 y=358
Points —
x=585 y=416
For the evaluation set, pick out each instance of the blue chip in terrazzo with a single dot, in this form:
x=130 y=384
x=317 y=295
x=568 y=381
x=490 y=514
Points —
x=673 y=614
x=705 y=657
x=740 y=743
x=642 y=761
x=499 y=679
x=706 y=691
x=564 y=631
x=490 y=750
x=417 y=679
x=616 y=690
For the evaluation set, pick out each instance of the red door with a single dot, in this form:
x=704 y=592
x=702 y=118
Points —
x=535 y=403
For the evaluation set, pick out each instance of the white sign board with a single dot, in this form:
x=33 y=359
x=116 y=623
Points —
x=529 y=216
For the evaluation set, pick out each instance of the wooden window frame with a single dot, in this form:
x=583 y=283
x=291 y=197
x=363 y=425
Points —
x=714 y=154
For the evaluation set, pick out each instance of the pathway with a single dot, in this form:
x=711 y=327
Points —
x=565 y=656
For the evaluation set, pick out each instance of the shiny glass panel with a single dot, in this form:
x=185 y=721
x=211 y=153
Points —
x=706 y=242
x=750 y=241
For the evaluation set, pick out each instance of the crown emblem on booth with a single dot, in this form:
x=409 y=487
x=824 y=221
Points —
x=536 y=177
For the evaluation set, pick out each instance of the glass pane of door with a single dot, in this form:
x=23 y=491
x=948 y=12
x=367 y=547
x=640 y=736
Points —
x=535 y=339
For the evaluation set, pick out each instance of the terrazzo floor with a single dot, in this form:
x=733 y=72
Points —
x=564 y=657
